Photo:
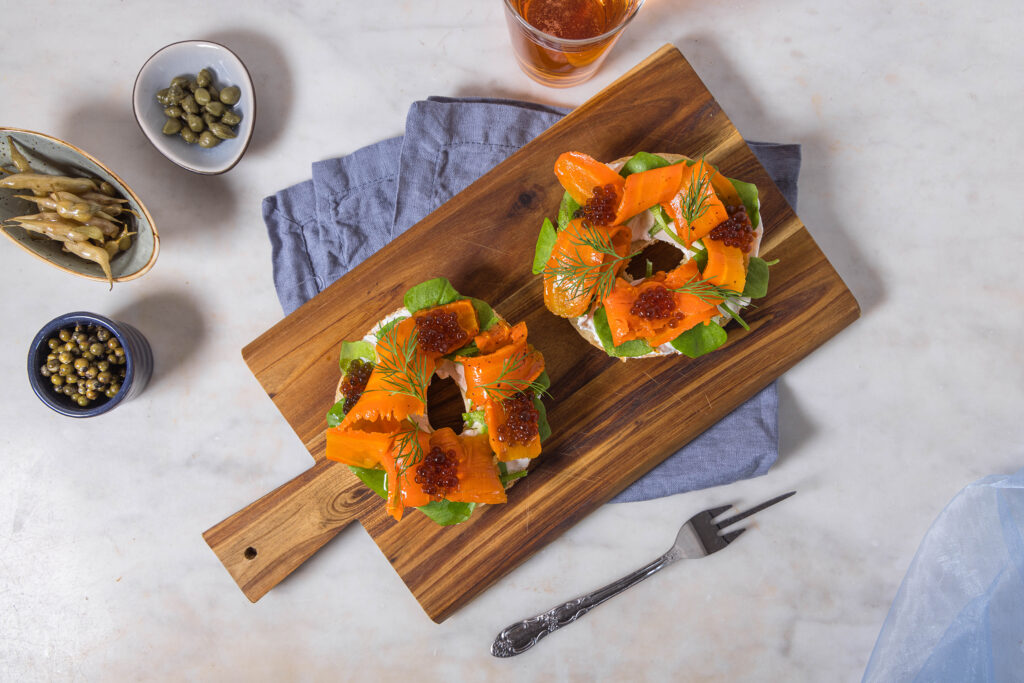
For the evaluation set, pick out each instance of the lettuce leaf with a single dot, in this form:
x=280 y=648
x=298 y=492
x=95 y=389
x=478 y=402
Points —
x=444 y=512
x=384 y=330
x=350 y=351
x=436 y=292
x=545 y=243
x=627 y=349
x=336 y=414
x=476 y=419
x=700 y=339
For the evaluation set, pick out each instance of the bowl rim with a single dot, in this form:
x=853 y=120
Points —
x=251 y=117
x=149 y=217
x=35 y=379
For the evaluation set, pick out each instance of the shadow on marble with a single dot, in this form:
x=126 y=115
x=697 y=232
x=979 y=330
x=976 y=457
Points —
x=172 y=323
x=180 y=201
x=795 y=426
x=495 y=91
x=268 y=68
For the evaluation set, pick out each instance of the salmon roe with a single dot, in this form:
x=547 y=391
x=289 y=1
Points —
x=736 y=230
x=437 y=473
x=656 y=303
x=440 y=332
x=521 y=420
x=600 y=208
x=355 y=381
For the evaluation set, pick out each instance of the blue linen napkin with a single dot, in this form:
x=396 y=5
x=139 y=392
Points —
x=354 y=205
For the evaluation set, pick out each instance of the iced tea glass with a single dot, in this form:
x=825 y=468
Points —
x=560 y=43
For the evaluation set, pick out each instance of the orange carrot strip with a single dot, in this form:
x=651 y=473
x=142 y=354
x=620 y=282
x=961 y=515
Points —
x=495 y=415
x=465 y=315
x=505 y=370
x=714 y=210
x=357 y=447
x=643 y=190
x=479 y=481
x=579 y=174
x=725 y=267
x=565 y=296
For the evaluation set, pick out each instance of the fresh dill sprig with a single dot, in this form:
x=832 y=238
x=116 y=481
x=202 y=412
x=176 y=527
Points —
x=506 y=387
x=694 y=203
x=409 y=449
x=403 y=370
x=710 y=293
x=580 y=276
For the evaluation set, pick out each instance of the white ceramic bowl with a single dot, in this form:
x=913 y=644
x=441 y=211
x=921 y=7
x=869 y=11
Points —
x=187 y=58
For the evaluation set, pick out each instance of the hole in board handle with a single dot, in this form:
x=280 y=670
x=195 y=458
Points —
x=250 y=553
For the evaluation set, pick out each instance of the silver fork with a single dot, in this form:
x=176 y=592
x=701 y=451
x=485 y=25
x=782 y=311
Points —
x=699 y=537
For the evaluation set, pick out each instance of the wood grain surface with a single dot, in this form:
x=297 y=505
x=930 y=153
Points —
x=612 y=421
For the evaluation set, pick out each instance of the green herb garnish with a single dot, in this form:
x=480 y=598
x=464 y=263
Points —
x=580 y=276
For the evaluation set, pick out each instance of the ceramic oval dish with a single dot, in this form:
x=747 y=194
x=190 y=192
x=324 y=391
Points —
x=187 y=58
x=47 y=154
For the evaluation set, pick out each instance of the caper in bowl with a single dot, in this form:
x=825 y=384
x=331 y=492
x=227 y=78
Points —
x=83 y=364
x=181 y=91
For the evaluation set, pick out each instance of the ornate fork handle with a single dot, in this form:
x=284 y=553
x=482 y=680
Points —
x=523 y=635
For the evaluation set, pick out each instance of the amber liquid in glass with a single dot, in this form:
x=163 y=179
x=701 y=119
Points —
x=551 y=61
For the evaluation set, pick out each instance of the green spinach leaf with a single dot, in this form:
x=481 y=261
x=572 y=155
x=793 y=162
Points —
x=642 y=161
x=543 y=428
x=436 y=292
x=627 y=349
x=757 y=278
x=701 y=255
x=484 y=313
x=748 y=195
x=566 y=210
x=444 y=512
x=700 y=339
x=545 y=243
x=375 y=479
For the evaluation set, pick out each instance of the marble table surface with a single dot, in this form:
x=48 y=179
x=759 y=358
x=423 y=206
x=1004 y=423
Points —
x=909 y=117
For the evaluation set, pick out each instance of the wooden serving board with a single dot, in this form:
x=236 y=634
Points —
x=612 y=421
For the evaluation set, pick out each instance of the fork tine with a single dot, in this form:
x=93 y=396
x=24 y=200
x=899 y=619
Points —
x=714 y=512
x=757 y=508
x=731 y=536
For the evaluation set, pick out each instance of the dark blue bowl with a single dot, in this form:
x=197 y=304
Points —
x=138 y=365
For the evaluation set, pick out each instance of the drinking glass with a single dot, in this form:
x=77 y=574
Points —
x=560 y=43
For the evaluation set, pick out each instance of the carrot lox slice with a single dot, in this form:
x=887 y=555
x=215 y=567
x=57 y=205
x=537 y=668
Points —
x=579 y=174
x=649 y=188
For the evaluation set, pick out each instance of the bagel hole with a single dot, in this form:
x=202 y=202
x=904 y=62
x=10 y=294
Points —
x=662 y=255
x=444 y=404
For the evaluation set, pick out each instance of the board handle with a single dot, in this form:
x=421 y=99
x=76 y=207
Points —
x=267 y=540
